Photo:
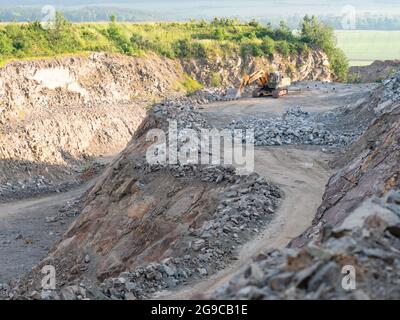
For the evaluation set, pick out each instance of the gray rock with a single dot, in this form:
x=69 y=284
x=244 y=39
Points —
x=198 y=244
x=49 y=295
x=329 y=274
x=255 y=274
x=202 y=271
x=281 y=281
x=168 y=270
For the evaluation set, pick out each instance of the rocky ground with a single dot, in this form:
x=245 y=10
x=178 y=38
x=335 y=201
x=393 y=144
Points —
x=217 y=211
x=315 y=271
x=356 y=225
x=299 y=127
x=141 y=230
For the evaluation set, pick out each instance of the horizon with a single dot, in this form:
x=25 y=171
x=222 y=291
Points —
x=183 y=10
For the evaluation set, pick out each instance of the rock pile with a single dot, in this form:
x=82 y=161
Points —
x=389 y=94
x=297 y=127
x=218 y=211
x=357 y=226
x=30 y=187
x=317 y=271
x=245 y=207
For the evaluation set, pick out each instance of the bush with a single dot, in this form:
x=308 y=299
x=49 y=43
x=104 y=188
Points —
x=139 y=42
x=254 y=23
x=251 y=49
x=283 y=47
x=199 y=50
x=219 y=34
x=216 y=80
x=182 y=48
x=121 y=42
x=60 y=38
x=283 y=32
x=190 y=85
x=6 y=46
x=268 y=46
x=339 y=63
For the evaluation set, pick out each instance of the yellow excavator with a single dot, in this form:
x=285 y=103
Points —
x=269 y=84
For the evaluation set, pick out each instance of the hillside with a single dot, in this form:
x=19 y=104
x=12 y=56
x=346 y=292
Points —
x=222 y=38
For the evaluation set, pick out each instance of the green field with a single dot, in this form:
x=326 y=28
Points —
x=362 y=47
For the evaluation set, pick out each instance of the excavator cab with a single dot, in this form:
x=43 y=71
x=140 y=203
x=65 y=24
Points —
x=274 y=80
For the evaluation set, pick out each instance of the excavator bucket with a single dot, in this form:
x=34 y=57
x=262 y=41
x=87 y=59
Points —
x=233 y=94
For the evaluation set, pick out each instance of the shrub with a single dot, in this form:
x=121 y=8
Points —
x=182 y=48
x=283 y=47
x=199 y=50
x=219 y=34
x=254 y=23
x=216 y=80
x=251 y=49
x=268 y=46
x=339 y=63
x=6 y=46
x=190 y=85
x=121 y=42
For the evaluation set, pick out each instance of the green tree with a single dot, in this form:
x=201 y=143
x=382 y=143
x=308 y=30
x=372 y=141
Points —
x=321 y=35
x=123 y=44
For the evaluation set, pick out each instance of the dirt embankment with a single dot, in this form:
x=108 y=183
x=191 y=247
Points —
x=228 y=70
x=370 y=166
x=375 y=72
x=56 y=114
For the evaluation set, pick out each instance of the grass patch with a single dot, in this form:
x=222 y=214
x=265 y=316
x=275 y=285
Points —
x=216 y=80
x=362 y=47
x=189 y=85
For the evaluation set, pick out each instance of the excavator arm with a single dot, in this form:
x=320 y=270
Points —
x=261 y=76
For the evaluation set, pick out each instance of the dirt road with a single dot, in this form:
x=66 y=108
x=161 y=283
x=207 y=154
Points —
x=302 y=175
x=311 y=96
x=28 y=227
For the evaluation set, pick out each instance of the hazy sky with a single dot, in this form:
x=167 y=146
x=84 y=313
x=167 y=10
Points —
x=231 y=8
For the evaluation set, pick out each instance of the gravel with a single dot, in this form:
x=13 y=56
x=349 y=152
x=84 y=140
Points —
x=246 y=205
x=298 y=127
x=315 y=271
